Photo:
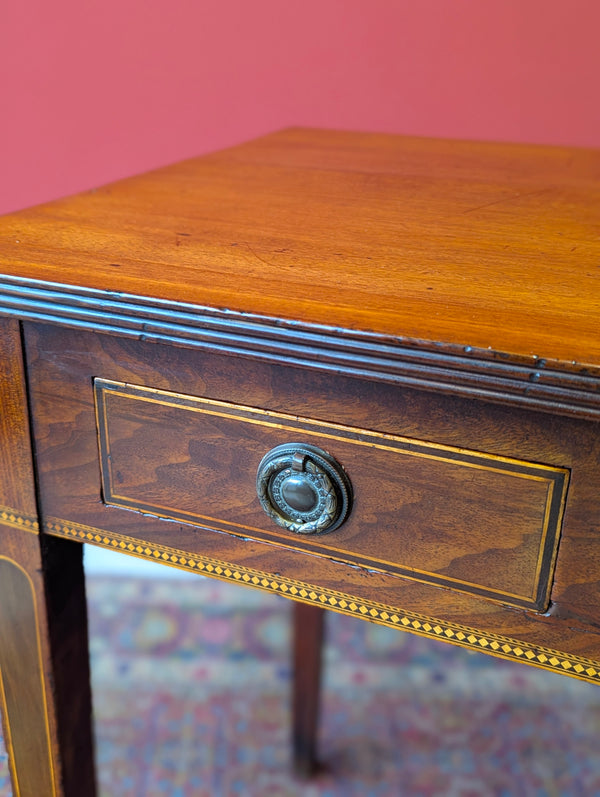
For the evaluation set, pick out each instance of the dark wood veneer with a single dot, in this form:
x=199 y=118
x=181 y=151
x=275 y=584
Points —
x=64 y=365
x=44 y=670
x=420 y=507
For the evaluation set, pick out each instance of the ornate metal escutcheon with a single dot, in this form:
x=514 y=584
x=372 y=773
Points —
x=303 y=488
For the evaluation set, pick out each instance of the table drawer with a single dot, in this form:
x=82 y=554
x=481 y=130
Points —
x=457 y=518
x=462 y=525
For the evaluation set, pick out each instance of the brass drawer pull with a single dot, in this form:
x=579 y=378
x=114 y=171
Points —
x=303 y=488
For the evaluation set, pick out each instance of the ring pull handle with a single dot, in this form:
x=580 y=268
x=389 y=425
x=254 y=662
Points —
x=303 y=489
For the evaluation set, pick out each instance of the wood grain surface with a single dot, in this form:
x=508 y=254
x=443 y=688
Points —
x=44 y=674
x=484 y=245
x=446 y=516
x=63 y=365
x=16 y=482
x=27 y=727
x=261 y=276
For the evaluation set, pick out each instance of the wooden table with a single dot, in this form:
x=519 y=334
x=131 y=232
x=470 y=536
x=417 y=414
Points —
x=401 y=338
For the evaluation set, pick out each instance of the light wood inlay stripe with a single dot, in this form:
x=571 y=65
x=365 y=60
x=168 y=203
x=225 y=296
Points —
x=18 y=520
x=383 y=614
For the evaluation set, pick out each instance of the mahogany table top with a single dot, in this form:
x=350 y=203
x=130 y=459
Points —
x=495 y=247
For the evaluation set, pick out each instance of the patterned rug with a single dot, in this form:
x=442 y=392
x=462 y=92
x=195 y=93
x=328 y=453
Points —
x=191 y=682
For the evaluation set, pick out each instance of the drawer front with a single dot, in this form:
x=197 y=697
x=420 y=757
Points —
x=192 y=459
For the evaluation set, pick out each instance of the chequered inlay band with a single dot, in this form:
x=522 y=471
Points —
x=18 y=520
x=504 y=647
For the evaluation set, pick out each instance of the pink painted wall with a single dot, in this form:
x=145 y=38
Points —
x=92 y=90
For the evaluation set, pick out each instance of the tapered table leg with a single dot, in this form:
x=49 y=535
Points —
x=44 y=672
x=308 y=628
x=44 y=675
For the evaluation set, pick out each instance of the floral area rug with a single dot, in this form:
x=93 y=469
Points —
x=191 y=685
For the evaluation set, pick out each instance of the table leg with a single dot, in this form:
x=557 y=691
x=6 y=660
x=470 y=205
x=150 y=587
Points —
x=44 y=671
x=44 y=676
x=308 y=627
